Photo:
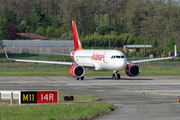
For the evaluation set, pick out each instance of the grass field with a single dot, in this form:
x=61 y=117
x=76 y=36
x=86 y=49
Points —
x=84 y=98
x=77 y=98
x=57 y=111
x=65 y=72
x=54 y=111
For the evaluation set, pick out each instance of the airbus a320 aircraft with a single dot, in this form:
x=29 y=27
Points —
x=97 y=60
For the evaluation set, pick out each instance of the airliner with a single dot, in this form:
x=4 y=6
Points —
x=96 y=60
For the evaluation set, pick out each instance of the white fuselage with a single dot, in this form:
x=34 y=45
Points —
x=103 y=60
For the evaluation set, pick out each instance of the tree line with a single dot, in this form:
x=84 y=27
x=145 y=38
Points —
x=155 y=22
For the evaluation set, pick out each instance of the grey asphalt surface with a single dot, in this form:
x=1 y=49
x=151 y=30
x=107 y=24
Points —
x=159 y=102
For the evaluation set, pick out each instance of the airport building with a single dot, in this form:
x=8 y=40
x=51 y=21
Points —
x=38 y=46
x=137 y=48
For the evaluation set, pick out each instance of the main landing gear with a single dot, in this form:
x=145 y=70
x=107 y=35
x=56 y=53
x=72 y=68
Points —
x=82 y=78
x=116 y=75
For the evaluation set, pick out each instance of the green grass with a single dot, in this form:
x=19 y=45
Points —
x=57 y=111
x=160 y=71
x=65 y=72
x=54 y=111
x=80 y=98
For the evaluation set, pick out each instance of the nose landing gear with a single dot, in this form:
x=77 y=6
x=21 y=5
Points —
x=82 y=78
x=116 y=75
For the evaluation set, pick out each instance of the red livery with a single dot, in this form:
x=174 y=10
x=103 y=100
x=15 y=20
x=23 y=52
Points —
x=47 y=96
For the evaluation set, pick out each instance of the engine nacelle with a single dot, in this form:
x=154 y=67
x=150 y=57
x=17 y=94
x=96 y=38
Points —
x=132 y=70
x=77 y=71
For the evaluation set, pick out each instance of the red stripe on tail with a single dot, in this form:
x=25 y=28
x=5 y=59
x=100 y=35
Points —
x=77 y=43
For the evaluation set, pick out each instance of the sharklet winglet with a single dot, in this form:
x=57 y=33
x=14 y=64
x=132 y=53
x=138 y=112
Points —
x=175 y=51
x=5 y=53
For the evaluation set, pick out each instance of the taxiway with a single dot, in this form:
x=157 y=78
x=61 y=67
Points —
x=159 y=102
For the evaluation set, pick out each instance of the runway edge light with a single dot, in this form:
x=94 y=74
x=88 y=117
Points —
x=178 y=99
x=68 y=98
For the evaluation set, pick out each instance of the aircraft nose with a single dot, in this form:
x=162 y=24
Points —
x=121 y=64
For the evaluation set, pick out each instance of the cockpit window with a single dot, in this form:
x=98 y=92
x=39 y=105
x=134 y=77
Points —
x=112 y=57
x=115 y=57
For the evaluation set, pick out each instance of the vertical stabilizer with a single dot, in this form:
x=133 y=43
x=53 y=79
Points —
x=77 y=43
x=175 y=51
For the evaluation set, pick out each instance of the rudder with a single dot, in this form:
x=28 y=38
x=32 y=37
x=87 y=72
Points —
x=77 y=43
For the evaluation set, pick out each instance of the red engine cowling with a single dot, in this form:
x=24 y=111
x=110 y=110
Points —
x=77 y=71
x=132 y=70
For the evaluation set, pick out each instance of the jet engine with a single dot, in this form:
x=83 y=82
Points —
x=77 y=71
x=132 y=70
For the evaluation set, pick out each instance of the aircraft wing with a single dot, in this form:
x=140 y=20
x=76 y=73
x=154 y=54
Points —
x=39 y=61
x=58 y=54
x=151 y=60
x=148 y=60
x=49 y=62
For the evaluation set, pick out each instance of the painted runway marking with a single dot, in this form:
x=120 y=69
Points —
x=158 y=93
x=129 y=81
x=128 y=84
x=163 y=94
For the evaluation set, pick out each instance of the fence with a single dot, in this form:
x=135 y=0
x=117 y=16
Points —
x=38 y=47
x=38 y=44
x=6 y=95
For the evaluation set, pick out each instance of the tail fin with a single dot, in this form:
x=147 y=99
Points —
x=77 y=43
x=175 y=51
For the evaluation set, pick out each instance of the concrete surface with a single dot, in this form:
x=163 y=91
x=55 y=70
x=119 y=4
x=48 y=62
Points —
x=159 y=102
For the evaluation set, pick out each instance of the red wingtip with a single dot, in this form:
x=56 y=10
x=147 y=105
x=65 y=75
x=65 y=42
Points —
x=77 y=43
x=5 y=53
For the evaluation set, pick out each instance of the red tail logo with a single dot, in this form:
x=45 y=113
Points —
x=77 y=43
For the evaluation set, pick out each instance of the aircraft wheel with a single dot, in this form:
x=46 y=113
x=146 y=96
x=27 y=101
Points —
x=77 y=78
x=118 y=76
x=113 y=76
x=82 y=78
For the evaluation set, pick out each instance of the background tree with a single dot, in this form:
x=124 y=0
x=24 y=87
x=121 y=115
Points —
x=12 y=32
x=9 y=16
x=154 y=20
x=103 y=30
x=22 y=26
x=171 y=43
x=39 y=17
x=3 y=30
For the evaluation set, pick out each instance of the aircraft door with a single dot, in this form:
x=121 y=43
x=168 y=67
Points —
x=106 y=58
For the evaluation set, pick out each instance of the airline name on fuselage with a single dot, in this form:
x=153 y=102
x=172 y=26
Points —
x=97 y=56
